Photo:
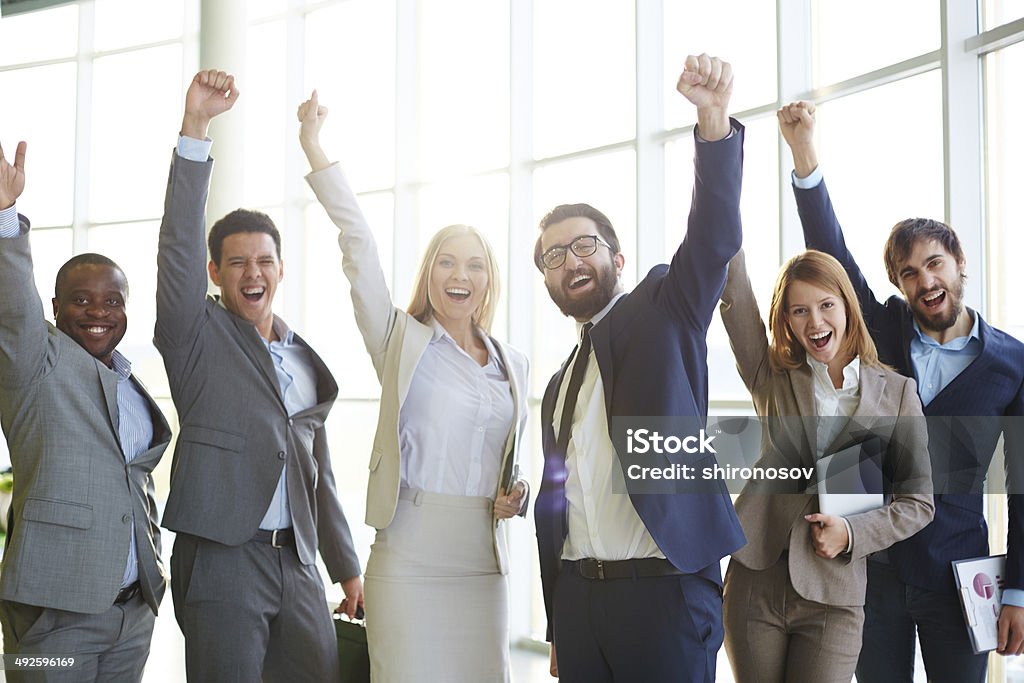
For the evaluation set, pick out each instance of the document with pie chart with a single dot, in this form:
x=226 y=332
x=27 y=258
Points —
x=980 y=584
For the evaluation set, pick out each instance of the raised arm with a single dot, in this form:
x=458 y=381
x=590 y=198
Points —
x=374 y=311
x=697 y=272
x=746 y=329
x=23 y=329
x=181 y=282
x=817 y=217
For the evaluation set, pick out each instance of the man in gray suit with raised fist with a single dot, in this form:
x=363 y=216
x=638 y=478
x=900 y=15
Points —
x=81 y=578
x=252 y=492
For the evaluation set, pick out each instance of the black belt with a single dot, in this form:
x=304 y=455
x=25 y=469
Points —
x=279 y=538
x=127 y=593
x=644 y=568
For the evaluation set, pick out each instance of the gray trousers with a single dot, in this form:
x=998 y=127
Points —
x=251 y=612
x=110 y=646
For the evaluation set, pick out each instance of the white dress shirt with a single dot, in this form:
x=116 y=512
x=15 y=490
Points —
x=603 y=524
x=455 y=420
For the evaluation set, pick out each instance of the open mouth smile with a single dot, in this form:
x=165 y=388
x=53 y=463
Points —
x=458 y=294
x=253 y=293
x=934 y=299
x=579 y=280
x=820 y=339
x=96 y=330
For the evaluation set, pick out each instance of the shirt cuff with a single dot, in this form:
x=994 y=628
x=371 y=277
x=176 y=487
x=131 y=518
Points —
x=732 y=131
x=1013 y=596
x=193 y=149
x=849 y=535
x=10 y=226
x=810 y=182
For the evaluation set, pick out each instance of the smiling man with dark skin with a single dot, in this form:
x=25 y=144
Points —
x=89 y=306
x=81 y=575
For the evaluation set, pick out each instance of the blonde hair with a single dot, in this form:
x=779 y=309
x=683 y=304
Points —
x=420 y=306
x=821 y=270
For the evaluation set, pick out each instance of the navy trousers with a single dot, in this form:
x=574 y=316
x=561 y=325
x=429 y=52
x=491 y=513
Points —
x=892 y=613
x=638 y=629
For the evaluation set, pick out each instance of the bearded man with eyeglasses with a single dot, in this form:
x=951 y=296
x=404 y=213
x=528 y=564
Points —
x=632 y=583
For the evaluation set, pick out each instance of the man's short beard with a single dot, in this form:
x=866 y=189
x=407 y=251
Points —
x=956 y=300
x=606 y=282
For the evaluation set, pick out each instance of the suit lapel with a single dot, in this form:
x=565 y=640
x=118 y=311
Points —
x=161 y=430
x=872 y=391
x=547 y=407
x=601 y=339
x=108 y=381
x=255 y=348
x=326 y=386
x=414 y=342
x=512 y=442
x=803 y=393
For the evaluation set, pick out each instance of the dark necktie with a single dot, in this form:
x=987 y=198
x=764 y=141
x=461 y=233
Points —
x=573 y=391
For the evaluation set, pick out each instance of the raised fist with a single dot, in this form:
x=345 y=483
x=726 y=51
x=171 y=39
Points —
x=706 y=82
x=796 y=122
x=210 y=94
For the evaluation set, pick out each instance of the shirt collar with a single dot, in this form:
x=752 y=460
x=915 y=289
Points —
x=121 y=365
x=957 y=344
x=599 y=316
x=283 y=332
x=851 y=373
x=438 y=333
x=280 y=327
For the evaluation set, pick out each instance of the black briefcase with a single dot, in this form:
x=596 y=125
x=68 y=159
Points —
x=353 y=652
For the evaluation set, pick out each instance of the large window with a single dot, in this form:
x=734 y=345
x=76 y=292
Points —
x=491 y=113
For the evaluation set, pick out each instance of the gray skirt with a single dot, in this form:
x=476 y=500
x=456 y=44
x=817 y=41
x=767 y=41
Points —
x=436 y=602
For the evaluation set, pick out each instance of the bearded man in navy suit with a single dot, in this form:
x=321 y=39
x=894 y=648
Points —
x=632 y=584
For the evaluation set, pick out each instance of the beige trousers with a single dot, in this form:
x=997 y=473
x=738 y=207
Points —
x=773 y=635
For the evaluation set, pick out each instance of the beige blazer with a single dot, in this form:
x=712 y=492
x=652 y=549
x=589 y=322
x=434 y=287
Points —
x=774 y=521
x=395 y=342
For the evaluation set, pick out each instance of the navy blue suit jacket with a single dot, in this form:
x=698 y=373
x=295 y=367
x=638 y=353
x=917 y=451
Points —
x=961 y=447
x=651 y=350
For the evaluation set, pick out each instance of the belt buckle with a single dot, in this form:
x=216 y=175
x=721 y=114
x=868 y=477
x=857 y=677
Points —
x=592 y=569
x=273 y=539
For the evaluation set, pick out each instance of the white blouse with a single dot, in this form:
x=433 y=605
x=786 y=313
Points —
x=455 y=421
x=834 y=406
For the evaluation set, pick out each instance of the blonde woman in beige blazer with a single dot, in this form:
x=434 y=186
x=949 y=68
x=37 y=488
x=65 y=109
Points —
x=452 y=409
x=794 y=595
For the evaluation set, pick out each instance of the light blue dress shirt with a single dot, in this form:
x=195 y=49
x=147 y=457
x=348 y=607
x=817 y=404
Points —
x=135 y=430
x=936 y=365
x=297 y=380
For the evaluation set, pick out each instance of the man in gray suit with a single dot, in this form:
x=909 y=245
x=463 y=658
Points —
x=252 y=492
x=81 y=575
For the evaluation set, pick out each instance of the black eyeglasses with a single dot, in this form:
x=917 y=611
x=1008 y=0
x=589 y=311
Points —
x=584 y=245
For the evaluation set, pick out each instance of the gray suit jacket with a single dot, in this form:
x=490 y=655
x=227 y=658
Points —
x=773 y=521
x=73 y=505
x=396 y=342
x=235 y=430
